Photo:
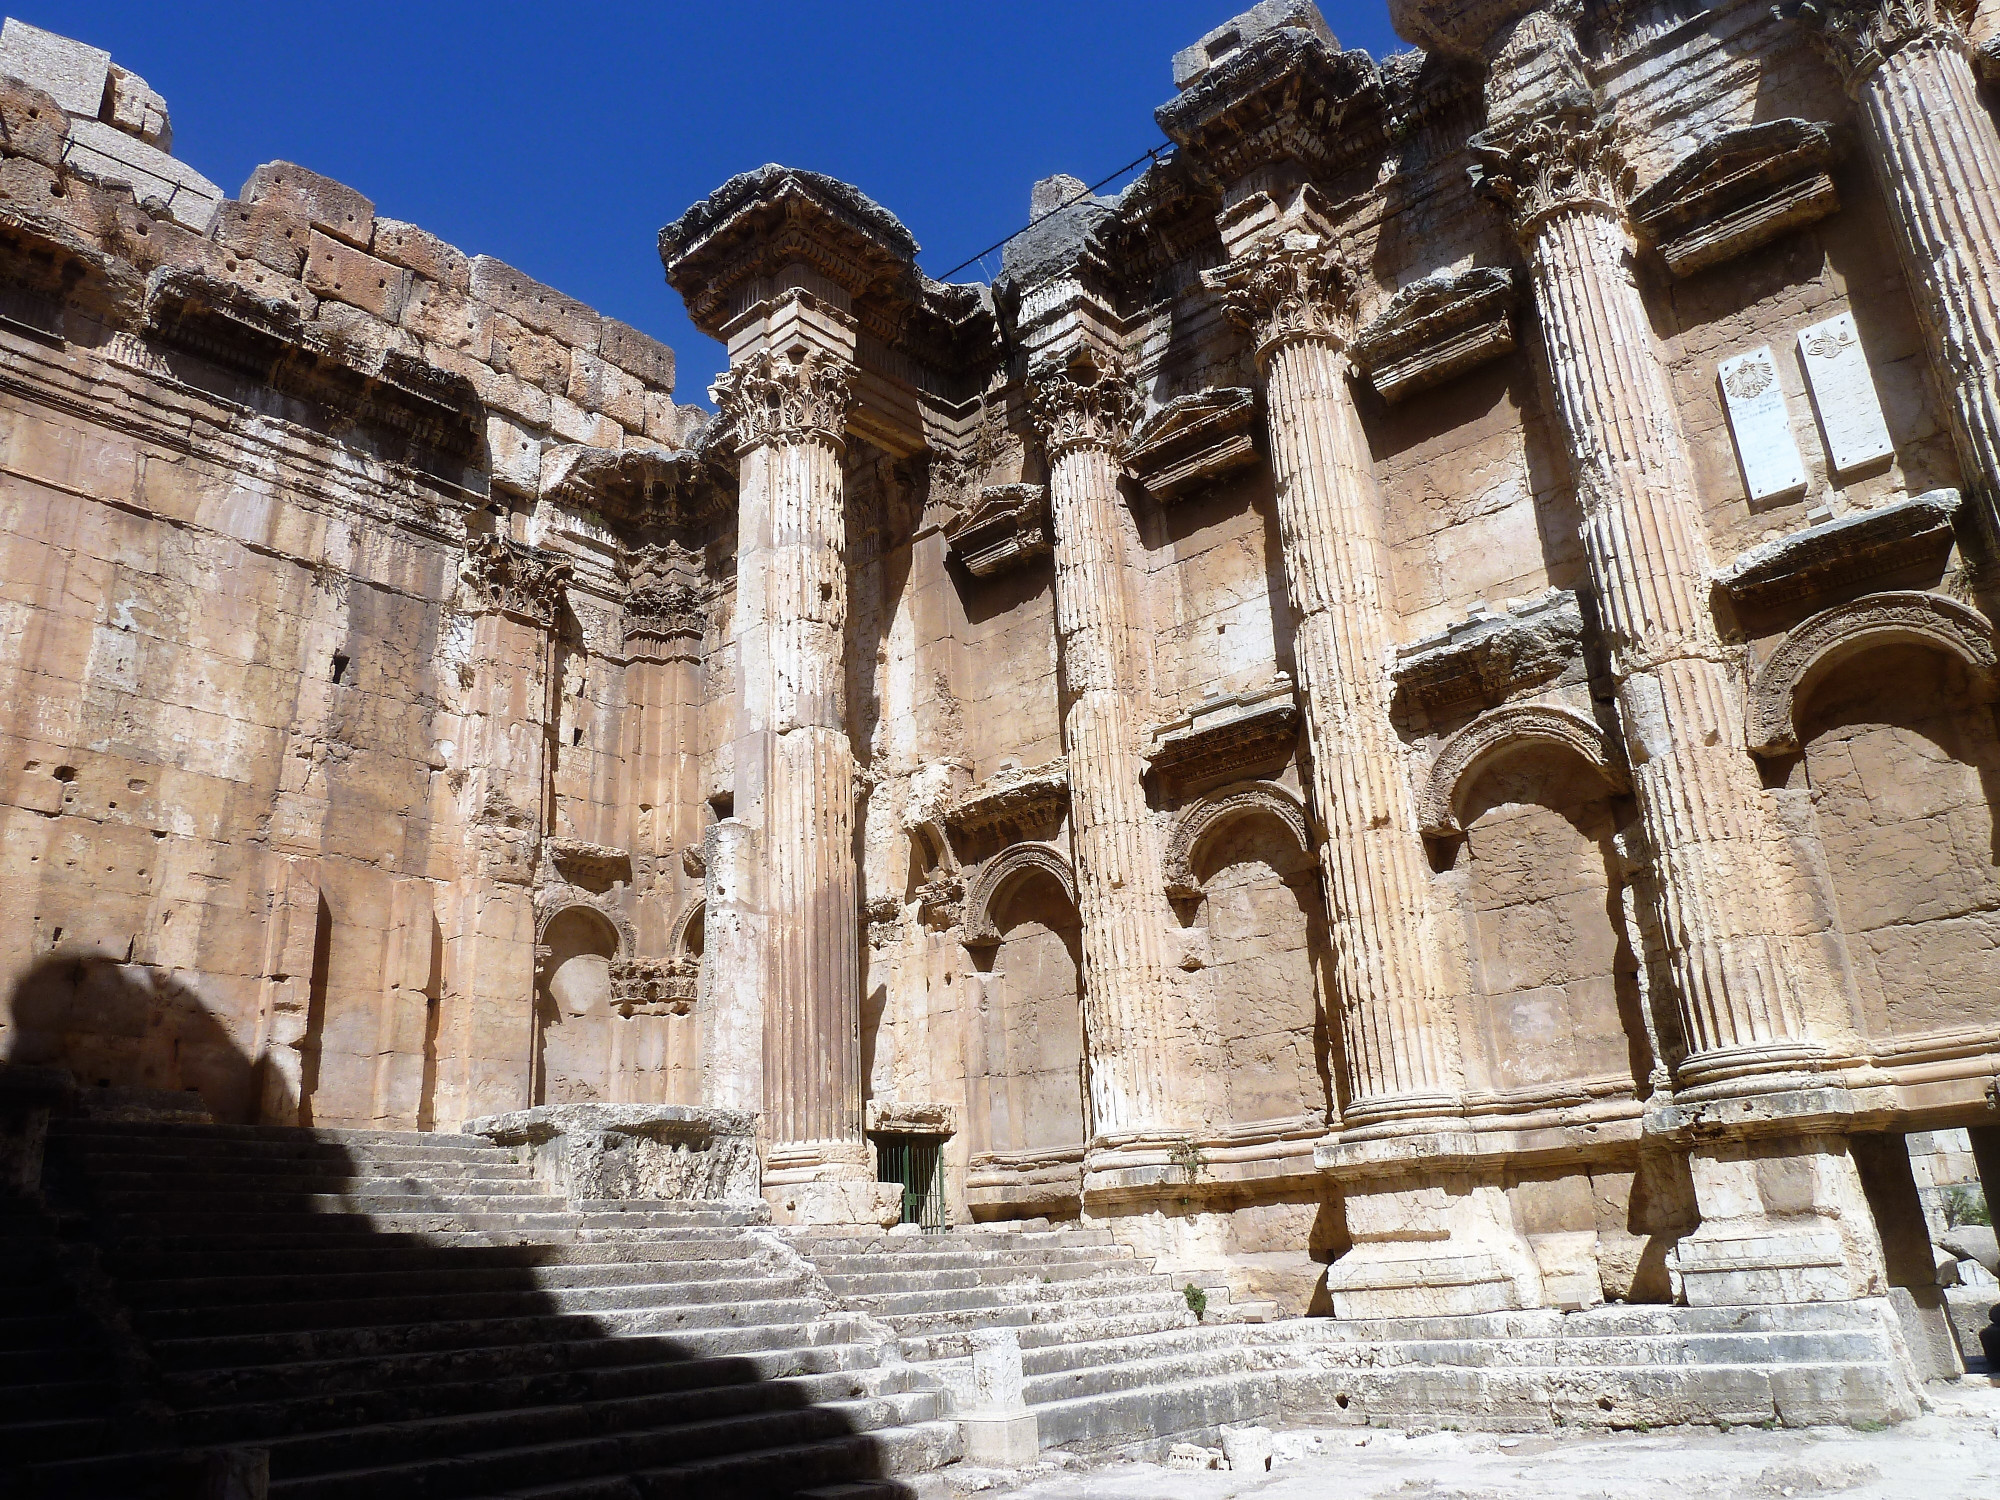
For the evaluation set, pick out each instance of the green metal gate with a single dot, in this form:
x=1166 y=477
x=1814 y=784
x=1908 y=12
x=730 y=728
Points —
x=916 y=1163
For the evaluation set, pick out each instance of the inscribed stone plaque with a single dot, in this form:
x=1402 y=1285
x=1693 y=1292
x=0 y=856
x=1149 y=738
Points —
x=1761 y=425
x=1850 y=415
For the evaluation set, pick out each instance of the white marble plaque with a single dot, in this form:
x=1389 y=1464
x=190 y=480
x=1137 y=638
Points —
x=1761 y=425
x=1843 y=390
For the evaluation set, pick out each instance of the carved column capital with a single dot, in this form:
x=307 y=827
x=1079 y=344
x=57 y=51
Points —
x=786 y=397
x=1080 y=403
x=666 y=598
x=1858 y=36
x=511 y=578
x=1288 y=286
x=1566 y=158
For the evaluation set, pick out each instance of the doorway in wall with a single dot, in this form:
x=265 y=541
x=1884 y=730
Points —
x=916 y=1164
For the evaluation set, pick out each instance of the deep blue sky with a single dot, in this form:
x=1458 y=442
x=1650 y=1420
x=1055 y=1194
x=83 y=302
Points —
x=560 y=138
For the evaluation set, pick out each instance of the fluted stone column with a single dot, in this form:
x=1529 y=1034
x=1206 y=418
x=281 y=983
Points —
x=787 y=411
x=1084 y=414
x=1936 y=153
x=1721 y=870
x=1293 y=295
x=1432 y=1232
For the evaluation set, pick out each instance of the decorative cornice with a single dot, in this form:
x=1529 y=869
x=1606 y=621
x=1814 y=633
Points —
x=1008 y=527
x=643 y=486
x=788 y=397
x=1291 y=285
x=1858 y=36
x=667 y=597
x=1435 y=329
x=511 y=578
x=655 y=986
x=1808 y=566
x=1562 y=160
x=1077 y=404
x=1489 y=656
x=1227 y=735
x=1014 y=804
x=1739 y=190
x=1193 y=440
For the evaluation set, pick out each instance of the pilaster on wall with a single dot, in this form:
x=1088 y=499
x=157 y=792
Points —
x=1935 y=150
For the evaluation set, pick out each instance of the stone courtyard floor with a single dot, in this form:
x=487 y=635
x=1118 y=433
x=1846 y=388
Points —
x=1950 y=1453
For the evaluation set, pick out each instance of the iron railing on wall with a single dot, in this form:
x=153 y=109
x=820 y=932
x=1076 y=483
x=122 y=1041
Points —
x=916 y=1163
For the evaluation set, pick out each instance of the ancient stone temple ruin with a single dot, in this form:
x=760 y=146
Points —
x=1364 y=788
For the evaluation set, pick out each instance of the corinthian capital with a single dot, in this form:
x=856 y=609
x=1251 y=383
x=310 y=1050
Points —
x=513 y=579
x=1081 y=403
x=1290 y=285
x=787 y=397
x=666 y=598
x=1858 y=36
x=1565 y=158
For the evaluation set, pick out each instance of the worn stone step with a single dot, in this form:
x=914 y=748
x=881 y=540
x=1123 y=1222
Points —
x=876 y=1283
x=1074 y=1312
x=225 y=1187
x=436 y=1280
x=489 y=1470
x=520 y=1199
x=815 y=1243
x=1157 y=1414
x=1115 y=1375
x=919 y=1308
x=165 y=1133
x=1188 y=1341
x=957 y=1343
x=414 y=1254
x=763 y=1323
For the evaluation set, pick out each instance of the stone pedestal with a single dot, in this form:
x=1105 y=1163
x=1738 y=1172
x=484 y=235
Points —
x=634 y=1151
x=1000 y=1431
x=827 y=1186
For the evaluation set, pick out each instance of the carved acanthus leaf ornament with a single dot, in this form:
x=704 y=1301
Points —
x=1080 y=404
x=1858 y=36
x=1289 y=286
x=1566 y=159
x=667 y=596
x=786 y=397
x=515 y=579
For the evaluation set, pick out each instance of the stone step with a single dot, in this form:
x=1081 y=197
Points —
x=414 y=1254
x=36 y=1440
x=921 y=1310
x=440 y=1279
x=957 y=1343
x=1190 y=1342
x=376 y=1182
x=21 y=1368
x=1067 y=1312
x=52 y=1395
x=1159 y=1414
x=815 y=1243
x=166 y=1134
x=20 y=1332
x=925 y=1259
x=764 y=1323
x=1128 y=1372
x=168 y=1206
x=1069 y=1274
x=111 y=1162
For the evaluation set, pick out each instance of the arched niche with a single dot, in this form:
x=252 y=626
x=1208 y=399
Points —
x=1243 y=857
x=1025 y=1083
x=1898 y=749
x=1555 y=994
x=1505 y=732
x=573 y=1012
x=1818 y=646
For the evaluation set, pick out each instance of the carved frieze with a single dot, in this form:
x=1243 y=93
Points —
x=1740 y=190
x=1292 y=284
x=655 y=986
x=644 y=486
x=782 y=396
x=1227 y=735
x=1565 y=158
x=1796 y=571
x=1487 y=656
x=1013 y=803
x=512 y=578
x=1858 y=36
x=1081 y=403
x=1437 y=328
x=1008 y=527
x=1192 y=441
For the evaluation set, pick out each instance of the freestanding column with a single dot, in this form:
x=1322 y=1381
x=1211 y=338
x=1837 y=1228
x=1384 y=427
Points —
x=1292 y=293
x=1936 y=152
x=1084 y=414
x=1734 y=945
x=787 y=411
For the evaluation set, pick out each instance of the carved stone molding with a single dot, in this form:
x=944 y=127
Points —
x=667 y=597
x=1217 y=809
x=1564 y=159
x=1858 y=36
x=1227 y=734
x=1818 y=645
x=595 y=867
x=1290 y=285
x=1008 y=527
x=1437 y=328
x=1488 y=656
x=678 y=936
x=978 y=929
x=512 y=578
x=939 y=900
x=551 y=901
x=1810 y=564
x=909 y=1117
x=786 y=397
x=1193 y=440
x=1503 y=729
x=1081 y=403
x=1739 y=190
x=1014 y=803
x=655 y=986
x=645 y=486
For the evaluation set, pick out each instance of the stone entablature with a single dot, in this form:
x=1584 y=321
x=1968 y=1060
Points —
x=1436 y=329
x=1794 y=571
x=1014 y=802
x=1738 y=191
x=1192 y=441
x=1490 y=655
x=1009 y=527
x=1228 y=734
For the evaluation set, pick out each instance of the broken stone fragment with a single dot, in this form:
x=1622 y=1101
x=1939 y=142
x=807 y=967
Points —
x=331 y=207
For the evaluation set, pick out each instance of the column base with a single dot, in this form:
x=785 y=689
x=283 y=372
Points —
x=1443 y=1245
x=829 y=1185
x=1783 y=1219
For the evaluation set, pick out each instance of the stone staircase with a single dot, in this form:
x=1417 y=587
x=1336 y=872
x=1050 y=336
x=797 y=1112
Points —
x=403 y=1315
x=1113 y=1358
